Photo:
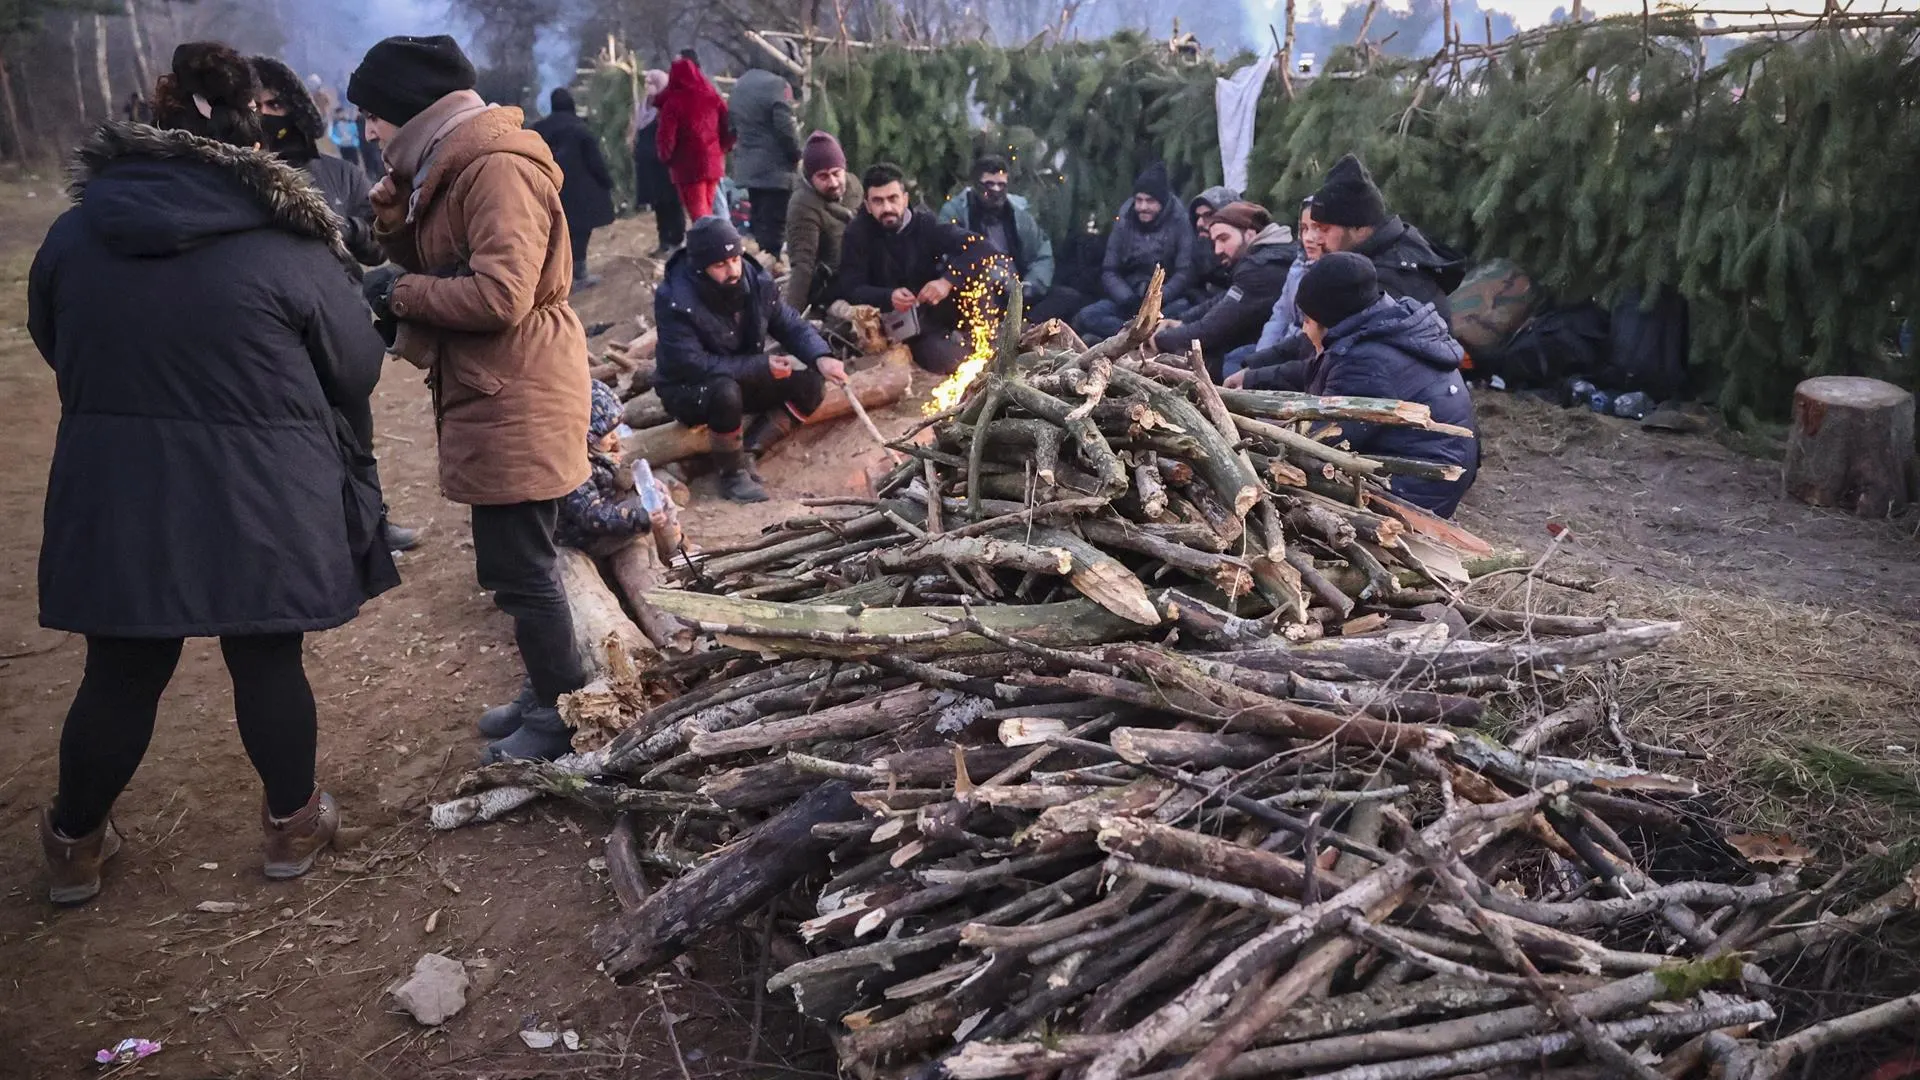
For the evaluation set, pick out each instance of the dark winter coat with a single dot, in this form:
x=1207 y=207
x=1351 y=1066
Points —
x=1211 y=276
x=586 y=187
x=694 y=131
x=212 y=473
x=698 y=343
x=1408 y=265
x=1400 y=348
x=816 y=230
x=874 y=262
x=1234 y=318
x=767 y=154
x=1135 y=249
x=345 y=186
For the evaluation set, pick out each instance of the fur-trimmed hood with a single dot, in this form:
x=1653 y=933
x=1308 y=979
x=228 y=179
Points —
x=149 y=191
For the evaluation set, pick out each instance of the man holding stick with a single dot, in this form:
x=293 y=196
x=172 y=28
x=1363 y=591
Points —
x=716 y=312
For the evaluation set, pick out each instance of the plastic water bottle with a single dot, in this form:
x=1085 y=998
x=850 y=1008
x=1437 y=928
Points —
x=1579 y=390
x=1632 y=406
x=1600 y=401
x=645 y=486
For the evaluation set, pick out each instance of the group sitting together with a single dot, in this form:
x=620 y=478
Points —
x=1356 y=305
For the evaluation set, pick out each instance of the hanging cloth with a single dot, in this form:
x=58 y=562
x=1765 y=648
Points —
x=1235 y=99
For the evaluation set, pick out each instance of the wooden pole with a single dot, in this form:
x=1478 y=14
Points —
x=16 y=137
x=101 y=71
x=142 y=60
x=1286 y=55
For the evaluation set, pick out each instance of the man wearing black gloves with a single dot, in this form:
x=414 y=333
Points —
x=293 y=126
x=898 y=257
x=716 y=312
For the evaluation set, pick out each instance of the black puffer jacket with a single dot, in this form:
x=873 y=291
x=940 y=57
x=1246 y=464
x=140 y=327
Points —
x=1408 y=265
x=698 y=343
x=586 y=187
x=1234 y=318
x=1136 y=247
x=1400 y=348
x=212 y=473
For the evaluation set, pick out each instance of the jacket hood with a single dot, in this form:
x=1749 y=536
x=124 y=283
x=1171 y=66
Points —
x=498 y=130
x=685 y=77
x=282 y=82
x=1403 y=324
x=1396 y=243
x=150 y=192
x=1272 y=242
x=1215 y=197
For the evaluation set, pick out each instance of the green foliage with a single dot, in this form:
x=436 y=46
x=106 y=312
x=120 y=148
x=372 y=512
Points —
x=608 y=97
x=1764 y=188
x=1683 y=979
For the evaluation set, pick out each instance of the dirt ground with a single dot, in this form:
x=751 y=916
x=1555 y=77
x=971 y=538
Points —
x=292 y=985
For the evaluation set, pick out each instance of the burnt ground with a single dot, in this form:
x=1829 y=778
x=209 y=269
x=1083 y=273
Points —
x=292 y=986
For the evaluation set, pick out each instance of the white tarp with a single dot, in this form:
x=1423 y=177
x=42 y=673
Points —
x=1235 y=98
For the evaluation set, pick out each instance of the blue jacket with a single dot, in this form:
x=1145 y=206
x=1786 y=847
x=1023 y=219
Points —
x=692 y=347
x=1400 y=348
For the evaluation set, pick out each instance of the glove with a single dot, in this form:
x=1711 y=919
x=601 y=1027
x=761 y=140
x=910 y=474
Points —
x=377 y=287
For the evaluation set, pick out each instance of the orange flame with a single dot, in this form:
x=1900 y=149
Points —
x=980 y=316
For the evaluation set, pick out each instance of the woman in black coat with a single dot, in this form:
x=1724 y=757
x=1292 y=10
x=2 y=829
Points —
x=652 y=183
x=586 y=188
x=213 y=474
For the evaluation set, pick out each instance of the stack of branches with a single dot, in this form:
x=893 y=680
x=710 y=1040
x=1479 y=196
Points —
x=1056 y=821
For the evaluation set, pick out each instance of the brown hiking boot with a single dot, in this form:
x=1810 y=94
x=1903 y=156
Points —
x=74 y=865
x=293 y=843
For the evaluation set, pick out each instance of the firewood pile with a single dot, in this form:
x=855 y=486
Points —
x=1131 y=732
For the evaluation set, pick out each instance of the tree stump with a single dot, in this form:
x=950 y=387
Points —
x=1851 y=446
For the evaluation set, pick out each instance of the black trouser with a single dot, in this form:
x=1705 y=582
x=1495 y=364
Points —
x=1059 y=302
x=722 y=404
x=111 y=721
x=580 y=238
x=514 y=552
x=770 y=217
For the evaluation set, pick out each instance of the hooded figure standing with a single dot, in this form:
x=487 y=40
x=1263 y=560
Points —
x=471 y=214
x=1149 y=230
x=694 y=137
x=766 y=160
x=586 y=188
x=213 y=473
x=652 y=186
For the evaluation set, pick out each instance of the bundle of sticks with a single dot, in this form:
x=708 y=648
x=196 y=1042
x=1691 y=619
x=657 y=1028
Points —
x=1098 y=783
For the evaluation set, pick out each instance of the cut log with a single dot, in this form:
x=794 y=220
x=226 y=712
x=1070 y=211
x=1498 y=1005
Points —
x=665 y=441
x=601 y=629
x=720 y=891
x=848 y=633
x=636 y=569
x=1851 y=446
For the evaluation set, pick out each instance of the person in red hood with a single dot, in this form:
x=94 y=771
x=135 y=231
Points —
x=695 y=135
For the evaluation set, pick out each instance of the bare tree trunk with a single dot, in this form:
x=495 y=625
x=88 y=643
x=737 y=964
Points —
x=142 y=59
x=101 y=70
x=79 y=82
x=16 y=138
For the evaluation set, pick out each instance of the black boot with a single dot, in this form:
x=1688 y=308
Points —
x=769 y=428
x=582 y=279
x=542 y=736
x=736 y=479
x=401 y=538
x=503 y=720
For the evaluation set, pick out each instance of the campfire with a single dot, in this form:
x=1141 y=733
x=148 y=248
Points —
x=978 y=295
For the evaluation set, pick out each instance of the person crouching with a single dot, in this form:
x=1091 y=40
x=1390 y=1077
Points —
x=717 y=313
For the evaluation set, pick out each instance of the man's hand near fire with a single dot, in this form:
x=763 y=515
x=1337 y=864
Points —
x=933 y=292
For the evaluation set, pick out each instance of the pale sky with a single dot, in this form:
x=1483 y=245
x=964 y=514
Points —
x=1530 y=13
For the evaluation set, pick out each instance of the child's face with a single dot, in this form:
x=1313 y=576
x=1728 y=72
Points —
x=609 y=443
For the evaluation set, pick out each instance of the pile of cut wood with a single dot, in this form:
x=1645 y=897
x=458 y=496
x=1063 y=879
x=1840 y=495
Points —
x=1131 y=731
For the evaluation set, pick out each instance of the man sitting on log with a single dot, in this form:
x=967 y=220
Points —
x=716 y=312
x=1246 y=239
x=902 y=258
x=1368 y=344
x=988 y=210
x=823 y=203
x=1349 y=214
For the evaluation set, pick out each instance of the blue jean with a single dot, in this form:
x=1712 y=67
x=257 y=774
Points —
x=1100 y=320
x=1236 y=359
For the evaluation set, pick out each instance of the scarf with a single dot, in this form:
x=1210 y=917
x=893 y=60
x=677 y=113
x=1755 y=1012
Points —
x=410 y=158
x=647 y=111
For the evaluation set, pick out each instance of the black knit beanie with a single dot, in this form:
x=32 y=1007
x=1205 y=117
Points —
x=1338 y=287
x=1349 y=197
x=711 y=240
x=1153 y=181
x=561 y=100
x=401 y=76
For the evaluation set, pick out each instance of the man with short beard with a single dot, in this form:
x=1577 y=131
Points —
x=988 y=210
x=899 y=257
x=824 y=201
x=718 y=312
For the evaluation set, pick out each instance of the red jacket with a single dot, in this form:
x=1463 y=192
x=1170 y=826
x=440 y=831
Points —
x=695 y=133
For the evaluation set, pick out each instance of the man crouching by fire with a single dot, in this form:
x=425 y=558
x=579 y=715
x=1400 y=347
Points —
x=717 y=312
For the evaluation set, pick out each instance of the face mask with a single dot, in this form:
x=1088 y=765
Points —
x=282 y=136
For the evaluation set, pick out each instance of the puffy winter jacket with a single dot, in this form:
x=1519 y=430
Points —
x=695 y=132
x=690 y=353
x=1400 y=348
x=1408 y=265
x=761 y=107
x=1234 y=318
x=1135 y=248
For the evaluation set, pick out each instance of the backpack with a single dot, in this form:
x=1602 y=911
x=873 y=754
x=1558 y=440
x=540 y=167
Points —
x=1491 y=305
x=1647 y=349
x=1555 y=345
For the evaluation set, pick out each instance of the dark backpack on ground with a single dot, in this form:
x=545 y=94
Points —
x=1647 y=349
x=1558 y=344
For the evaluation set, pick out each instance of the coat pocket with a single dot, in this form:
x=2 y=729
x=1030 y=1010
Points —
x=477 y=378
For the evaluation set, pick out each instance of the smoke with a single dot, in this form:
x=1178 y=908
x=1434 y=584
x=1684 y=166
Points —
x=328 y=39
